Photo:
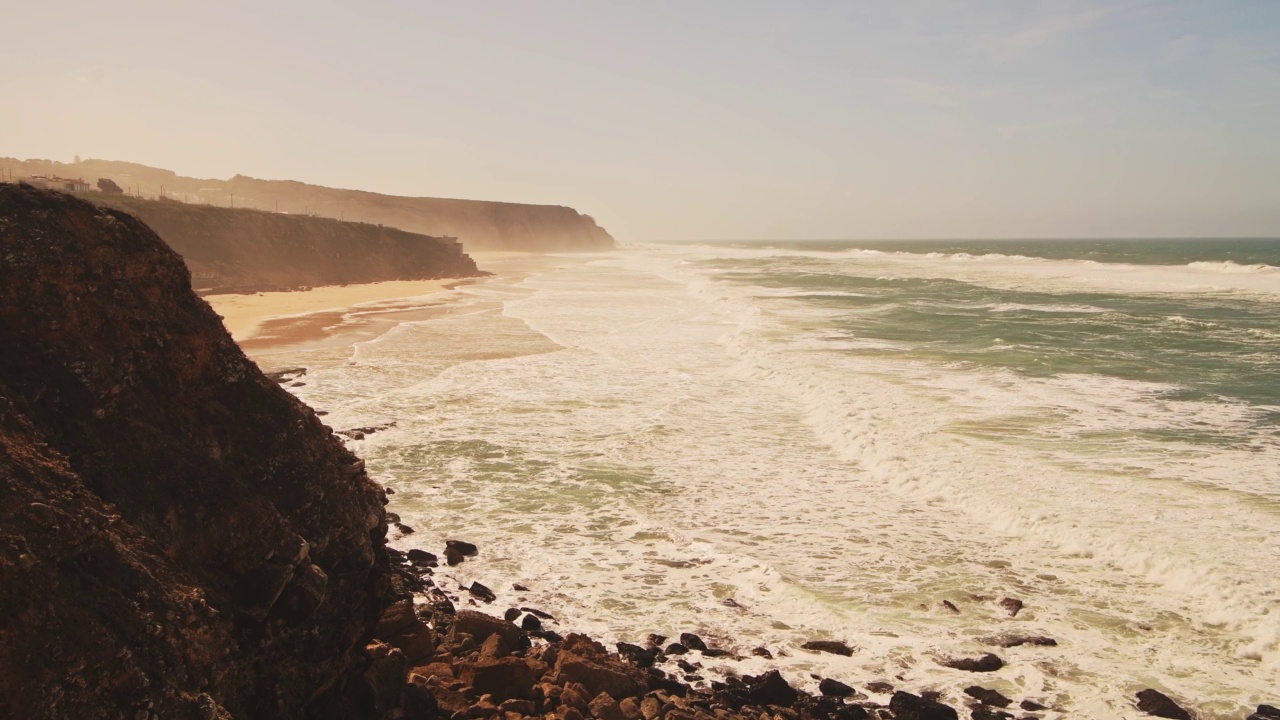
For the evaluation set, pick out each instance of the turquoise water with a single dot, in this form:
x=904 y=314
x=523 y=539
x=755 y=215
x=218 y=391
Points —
x=1154 y=251
x=1221 y=347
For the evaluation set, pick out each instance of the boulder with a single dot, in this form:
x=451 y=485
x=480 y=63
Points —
x=494 y=647
x=482 y=592
x=630 y=709
x=987 y=696
x=1012 y=606
x=419 y=701
x=983 y=663
x=906 y=706
x=384 y=677
x=418 y=642
x=596 y=674
x=531 y=623
x=638 y=656
x=1154 y=702
x=604 y=707
x=1032 y=706
x=479 y=625
x=1265 y=712
x=421 y=556
x=466 y=549
x=503 y=677
x=452 y=557
x=691 y=641
x=1015 y=640
x=835 y=647
x=772 y=689
x=397 y=618
x=986 y=712
x=834 y=688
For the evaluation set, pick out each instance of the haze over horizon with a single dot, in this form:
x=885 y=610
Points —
x=673 y=122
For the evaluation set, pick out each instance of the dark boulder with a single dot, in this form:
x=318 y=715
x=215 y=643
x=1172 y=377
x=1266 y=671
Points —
x=463 y=547
x=482 y=592
x=834 y=688
x=983 y=663
x=1154 y=702
x=421 y=556
x=906 y=706
x=638 y=656
x=1265 y=712
x=987 y=696
x=691 y=641
x=479 y=625
x=501 y=677
x=835 y=647
x=772 y=689
x=1012 y=606
x=1015 y=640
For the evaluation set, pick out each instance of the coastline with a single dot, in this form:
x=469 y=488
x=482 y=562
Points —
x=342 y=326
x=269 y=322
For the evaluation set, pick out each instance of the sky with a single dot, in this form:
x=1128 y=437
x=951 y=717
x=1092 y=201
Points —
x=688 y=120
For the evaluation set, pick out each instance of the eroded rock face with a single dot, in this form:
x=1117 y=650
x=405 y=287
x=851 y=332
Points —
x=179 y=534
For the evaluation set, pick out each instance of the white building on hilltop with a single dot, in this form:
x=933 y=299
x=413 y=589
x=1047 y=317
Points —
x=52 y=182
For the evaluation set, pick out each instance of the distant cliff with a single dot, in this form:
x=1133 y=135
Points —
x=252 y=250
x=179 y=537
x=479 y=224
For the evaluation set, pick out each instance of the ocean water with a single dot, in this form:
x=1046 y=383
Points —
x=772 y=443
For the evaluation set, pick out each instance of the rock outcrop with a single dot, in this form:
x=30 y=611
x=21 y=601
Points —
x=481 y=224
x=250 y=250
x=179 y=537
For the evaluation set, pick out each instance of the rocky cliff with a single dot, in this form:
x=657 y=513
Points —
x=252 y=250
x=479 y=224
x=179 y=537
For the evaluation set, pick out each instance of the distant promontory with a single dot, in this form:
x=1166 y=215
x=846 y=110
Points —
x=478 y=224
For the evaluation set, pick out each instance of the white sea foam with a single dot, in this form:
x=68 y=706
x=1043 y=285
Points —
x=638 y=441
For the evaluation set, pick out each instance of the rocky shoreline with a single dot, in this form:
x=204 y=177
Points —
x=432 y=657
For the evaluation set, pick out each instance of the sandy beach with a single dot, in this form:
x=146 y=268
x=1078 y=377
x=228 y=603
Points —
x=263 y=323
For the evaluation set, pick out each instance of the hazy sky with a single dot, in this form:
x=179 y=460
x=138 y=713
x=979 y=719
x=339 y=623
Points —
x=686 y=120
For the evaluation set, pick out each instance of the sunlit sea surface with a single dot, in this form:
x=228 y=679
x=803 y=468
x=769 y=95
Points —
x=838 y=436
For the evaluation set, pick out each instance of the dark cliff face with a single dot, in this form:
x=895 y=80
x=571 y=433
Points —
x=250 y=251
x=178 y=535
x=480 y=224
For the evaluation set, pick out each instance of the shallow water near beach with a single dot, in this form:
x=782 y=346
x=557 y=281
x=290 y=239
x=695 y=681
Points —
x=772 y=443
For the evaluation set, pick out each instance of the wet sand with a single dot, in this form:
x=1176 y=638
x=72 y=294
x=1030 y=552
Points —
x=269 y=322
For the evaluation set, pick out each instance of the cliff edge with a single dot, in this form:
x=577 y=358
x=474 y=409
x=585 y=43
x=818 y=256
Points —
x=480 y=224
x=245 y=251
x=179 y=537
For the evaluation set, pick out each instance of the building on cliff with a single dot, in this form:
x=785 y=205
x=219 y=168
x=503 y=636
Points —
x=53 y=182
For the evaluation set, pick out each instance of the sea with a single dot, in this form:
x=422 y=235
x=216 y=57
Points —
x=871 y=442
